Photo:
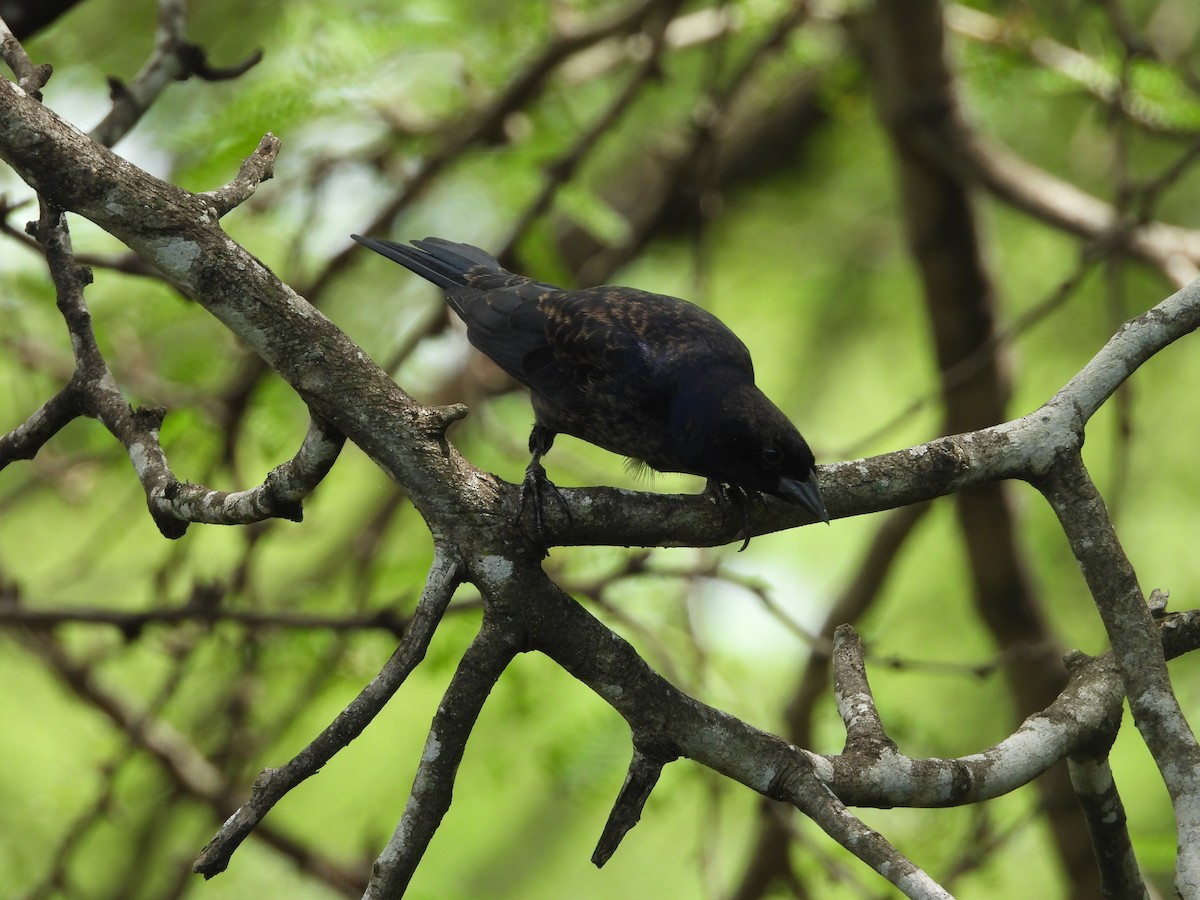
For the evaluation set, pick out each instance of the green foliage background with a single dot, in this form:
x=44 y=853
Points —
x=806 y=262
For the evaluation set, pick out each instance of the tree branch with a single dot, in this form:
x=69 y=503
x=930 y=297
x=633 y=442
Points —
x=174 y=504
x=179 y=234
x=273 y=784
x=471 y=512
x=482 y=664
x=203 y=608
x=865 y=734
x=771 y=860
x=1105 y=813
x=1173 y=250
x=1139 y=653
x=675 y=722
x=1022 y=449
x=30 y=78
x=173 y=59
x=644 y=769
x=188 y=768
x=93 y=391
x=24 y=441
x=257 y=168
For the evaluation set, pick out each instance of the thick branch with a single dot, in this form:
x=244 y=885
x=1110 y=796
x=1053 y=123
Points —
x=1023 y=448
x=179 y=234
x=657 y=710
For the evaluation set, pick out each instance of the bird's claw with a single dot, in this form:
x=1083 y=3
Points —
x=734 y=495
x=535 y=479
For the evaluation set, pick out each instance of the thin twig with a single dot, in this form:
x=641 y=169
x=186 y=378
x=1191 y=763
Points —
x=481 y=665
x=1138 y=650
x=273 y=784
x=30 y=78
x=173 y=59
x=1105 y=814
x=188 y=768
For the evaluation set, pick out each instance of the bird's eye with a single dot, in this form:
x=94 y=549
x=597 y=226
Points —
x=772 y=456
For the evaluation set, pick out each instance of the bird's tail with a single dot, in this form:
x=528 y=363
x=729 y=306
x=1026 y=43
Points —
x=443 y=262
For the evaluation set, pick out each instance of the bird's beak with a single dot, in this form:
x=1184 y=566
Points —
x=806 y=494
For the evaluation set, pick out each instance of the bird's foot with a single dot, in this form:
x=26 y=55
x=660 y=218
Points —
x=735 y=496
x=532 y=488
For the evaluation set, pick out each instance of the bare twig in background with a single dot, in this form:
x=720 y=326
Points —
x=184 y=763
x=173 y=59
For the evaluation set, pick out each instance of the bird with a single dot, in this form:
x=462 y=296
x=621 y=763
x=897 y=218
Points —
x=653 y=378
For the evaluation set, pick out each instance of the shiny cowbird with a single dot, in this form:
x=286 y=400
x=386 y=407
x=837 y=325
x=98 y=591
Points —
x=651 y=377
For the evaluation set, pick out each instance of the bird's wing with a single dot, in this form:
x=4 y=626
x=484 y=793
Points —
x=505 y=320
x=549 y=338
x=625 y=330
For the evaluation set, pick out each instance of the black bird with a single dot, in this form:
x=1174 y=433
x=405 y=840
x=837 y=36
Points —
x=651 y=377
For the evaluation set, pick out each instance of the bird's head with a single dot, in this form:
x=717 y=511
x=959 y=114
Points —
x=731 y=433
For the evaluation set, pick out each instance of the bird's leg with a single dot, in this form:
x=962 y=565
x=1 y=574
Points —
x=540 y=441
x=736 y=496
